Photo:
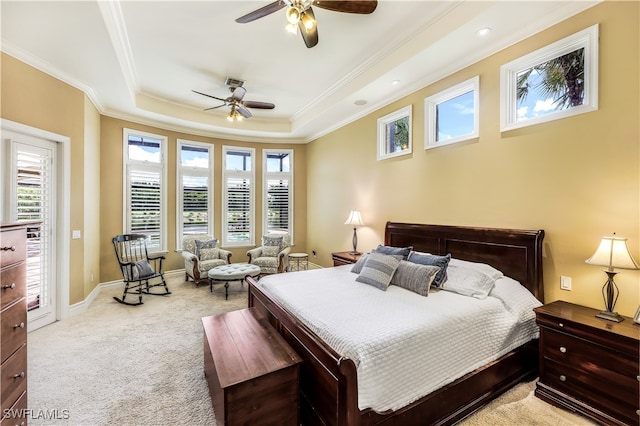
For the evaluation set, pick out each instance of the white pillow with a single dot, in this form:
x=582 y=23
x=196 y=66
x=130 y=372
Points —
x=468 y=281
x=480 y=267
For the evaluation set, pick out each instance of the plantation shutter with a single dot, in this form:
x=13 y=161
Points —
x=195 y=205
x=278 y=197
x=33 y=203
x=238 y=209
x=145 y=204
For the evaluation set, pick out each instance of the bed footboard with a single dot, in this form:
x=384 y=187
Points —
x=328 y=384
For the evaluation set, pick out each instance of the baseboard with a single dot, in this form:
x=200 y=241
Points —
x=172 y=277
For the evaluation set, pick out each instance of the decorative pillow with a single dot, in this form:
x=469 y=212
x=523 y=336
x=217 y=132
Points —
x=402 y=251
x=357 y=267
x=200 y=244
x=272 y=241
x=378 y=270
x=468 y=282
x=433 y=260
x=415 y=277
x=142 y=269
x=270 y=251
x=209 y=254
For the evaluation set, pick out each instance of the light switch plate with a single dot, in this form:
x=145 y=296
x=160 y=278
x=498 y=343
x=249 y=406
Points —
x=76 y=234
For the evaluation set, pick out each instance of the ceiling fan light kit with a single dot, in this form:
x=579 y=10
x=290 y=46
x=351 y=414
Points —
x=238 y=108
x=299 y=13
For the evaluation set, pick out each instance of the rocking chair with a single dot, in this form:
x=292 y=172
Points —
x=138 y=268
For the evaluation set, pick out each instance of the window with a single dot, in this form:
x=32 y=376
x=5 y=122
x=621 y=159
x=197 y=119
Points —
x=195 y=189
x=145 y=187
x=394 y=134
x=452 y=115
x=238 y=175
x=277 y=191
x=557 y=81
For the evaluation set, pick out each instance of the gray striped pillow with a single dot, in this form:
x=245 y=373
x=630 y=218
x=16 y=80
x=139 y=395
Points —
x=415 y=277
x=378 y=270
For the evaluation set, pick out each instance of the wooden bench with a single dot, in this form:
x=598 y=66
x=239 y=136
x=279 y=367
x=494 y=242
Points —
x=251 y=371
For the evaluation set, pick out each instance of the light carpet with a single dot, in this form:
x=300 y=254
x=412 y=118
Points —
x=143 y=365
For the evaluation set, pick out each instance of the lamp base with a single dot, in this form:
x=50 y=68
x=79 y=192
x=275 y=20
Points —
x=353 y=253
x=610 y=316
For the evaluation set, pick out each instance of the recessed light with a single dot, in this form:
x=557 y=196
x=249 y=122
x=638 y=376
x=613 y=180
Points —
x=360 y=102
x=395 y=82
x=483 y=31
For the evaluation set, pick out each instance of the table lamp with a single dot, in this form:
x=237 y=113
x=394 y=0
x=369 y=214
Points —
x=612 y=253
x=354 y=219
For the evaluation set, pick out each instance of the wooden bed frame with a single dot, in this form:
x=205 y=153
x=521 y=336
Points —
x=328 y=383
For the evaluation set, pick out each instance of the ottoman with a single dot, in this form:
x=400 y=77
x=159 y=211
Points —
x=231 y=272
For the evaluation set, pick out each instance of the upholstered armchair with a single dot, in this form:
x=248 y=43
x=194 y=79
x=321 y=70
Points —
x=200 y=253
x=273 y=255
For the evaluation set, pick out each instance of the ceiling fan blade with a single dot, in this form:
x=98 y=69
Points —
x=259 y=105
x=209 y=96
x=243 y=111
x=238 y=93
x=362 y=7
x=215 y=107
x=310 y=37
x=262 y=12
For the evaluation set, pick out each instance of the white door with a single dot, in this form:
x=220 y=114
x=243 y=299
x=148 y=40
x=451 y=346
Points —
x=30 y=185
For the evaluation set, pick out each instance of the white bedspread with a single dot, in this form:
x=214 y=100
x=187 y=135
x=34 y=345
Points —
x=405 y=345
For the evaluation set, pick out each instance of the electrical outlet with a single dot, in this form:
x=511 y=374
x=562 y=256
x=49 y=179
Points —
x=565 y=283
x=75 y=234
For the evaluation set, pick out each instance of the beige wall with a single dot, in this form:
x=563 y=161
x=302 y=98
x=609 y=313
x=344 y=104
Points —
x=576 y=178
x=92 y=209
x=38 y=100
x=111 y=192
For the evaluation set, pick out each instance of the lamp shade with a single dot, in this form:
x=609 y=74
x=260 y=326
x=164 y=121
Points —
x=613 y=253
x=354 y=219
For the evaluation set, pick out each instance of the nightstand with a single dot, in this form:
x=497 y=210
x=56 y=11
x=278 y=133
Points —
x=344 y=258
x=589 y=365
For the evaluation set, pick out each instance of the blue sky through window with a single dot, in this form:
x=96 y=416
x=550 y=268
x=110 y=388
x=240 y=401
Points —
x=455 y=117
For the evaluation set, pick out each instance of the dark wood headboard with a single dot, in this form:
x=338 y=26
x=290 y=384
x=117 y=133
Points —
x=515 y=252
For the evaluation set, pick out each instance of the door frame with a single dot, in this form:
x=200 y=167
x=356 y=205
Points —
x=63 y=206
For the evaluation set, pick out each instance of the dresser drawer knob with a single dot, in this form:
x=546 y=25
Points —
x=563 y=349
x=19 y=376
x=11 y=248
x=21 y=325
x=9 y=286
x=638 y=412
x=563 y=378
x=560 y=324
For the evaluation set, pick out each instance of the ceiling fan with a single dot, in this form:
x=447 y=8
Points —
x=300 y=14
x=238 y=107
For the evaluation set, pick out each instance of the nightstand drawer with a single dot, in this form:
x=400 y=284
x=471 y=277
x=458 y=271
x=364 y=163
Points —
x=618 y=399
x=599 y=361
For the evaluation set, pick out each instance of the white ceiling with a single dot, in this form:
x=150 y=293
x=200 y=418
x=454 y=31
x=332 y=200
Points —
x=139 y=60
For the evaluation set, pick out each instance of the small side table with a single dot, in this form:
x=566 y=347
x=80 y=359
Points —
x=298 y=262
x=344 y=258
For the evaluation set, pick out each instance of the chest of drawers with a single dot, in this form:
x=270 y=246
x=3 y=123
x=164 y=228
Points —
x=589 y=365
x=13 y=321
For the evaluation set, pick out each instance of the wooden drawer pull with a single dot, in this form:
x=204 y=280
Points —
x=21 y=325
x=9 y=286
x=12 y=248
x=563 y=378
x=19 y=376
x=563 y=349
